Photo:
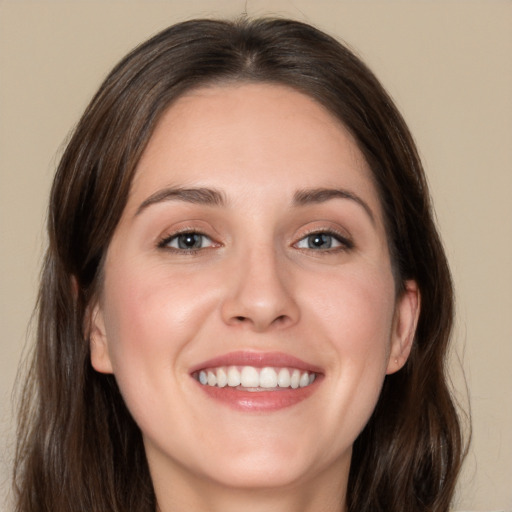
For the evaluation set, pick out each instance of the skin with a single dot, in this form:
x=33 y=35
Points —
x=254 y=285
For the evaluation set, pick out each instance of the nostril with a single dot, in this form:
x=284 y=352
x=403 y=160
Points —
x=280 y=319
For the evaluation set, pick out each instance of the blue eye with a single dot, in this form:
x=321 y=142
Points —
x=323 y=241
x=189 y=241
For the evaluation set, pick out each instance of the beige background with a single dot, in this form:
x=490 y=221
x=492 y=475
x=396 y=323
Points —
x=448 y=64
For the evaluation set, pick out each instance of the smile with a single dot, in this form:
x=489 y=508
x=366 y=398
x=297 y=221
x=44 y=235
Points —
x=257 y=382
x=254 y=379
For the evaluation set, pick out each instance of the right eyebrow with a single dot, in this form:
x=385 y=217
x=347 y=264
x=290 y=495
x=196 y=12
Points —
x=206 y=196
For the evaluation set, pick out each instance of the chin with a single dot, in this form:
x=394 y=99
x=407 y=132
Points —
x=275 y=463
x=261 y=471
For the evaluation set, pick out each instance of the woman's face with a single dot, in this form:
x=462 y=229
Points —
x=248 y=310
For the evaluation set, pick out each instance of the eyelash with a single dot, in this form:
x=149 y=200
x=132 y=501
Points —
x=166 y=240
x=345 y=243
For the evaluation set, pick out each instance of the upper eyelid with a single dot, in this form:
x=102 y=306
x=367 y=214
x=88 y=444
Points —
x=163 y=240
x=345 y=243
x=340 y=234
x=189 y=226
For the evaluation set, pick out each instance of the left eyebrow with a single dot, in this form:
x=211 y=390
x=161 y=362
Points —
x=207 y=196
x=320 y=195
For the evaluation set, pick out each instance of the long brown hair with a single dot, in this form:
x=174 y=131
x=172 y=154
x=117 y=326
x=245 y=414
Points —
x=79 y=448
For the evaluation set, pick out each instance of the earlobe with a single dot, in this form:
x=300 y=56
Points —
x=404 y=326
x=100 y=357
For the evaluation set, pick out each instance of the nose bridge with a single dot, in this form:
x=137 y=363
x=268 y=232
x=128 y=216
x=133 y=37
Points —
x=260 y=292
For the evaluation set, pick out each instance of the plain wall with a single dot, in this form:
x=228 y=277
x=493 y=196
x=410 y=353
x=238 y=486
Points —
x=448 y=65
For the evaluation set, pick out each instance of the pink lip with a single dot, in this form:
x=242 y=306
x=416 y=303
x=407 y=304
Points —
x=258 y=360
x=259 y=401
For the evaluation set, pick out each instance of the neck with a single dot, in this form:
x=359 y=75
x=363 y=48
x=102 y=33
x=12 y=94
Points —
x=323 y=494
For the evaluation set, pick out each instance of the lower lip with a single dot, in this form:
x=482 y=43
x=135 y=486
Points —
x=259 y=401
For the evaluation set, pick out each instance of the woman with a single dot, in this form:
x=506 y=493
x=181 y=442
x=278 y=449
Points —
x=245 y=303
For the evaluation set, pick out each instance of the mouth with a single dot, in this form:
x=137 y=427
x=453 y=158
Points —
x=252 y=381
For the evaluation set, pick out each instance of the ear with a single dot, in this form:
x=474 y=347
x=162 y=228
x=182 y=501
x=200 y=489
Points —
x=100 y=357
x=404 y=326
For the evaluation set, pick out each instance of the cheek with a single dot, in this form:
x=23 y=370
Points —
x=357 y=309
x=356 y=318
x=150 y=315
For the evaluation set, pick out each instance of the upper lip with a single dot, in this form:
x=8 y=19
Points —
x=258 y=360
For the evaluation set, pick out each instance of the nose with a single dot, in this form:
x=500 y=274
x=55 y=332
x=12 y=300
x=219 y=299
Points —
x=260 y=293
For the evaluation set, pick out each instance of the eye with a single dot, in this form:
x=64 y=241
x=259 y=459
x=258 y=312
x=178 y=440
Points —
x=186 y=241
x=323 y=241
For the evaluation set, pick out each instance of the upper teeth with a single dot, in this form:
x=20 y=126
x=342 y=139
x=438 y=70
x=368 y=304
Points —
x=252 y=377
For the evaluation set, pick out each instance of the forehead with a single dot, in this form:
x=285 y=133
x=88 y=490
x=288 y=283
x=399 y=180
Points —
x=241 y=137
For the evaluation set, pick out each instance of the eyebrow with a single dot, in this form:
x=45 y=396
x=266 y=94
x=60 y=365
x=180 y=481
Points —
x=205 y=196
x=213 y=197
x=321 y=195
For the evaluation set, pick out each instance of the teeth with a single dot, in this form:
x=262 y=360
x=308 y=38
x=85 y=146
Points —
x=212 y=379
x=233 y=377
x=222 y=378
x=283 y=378
x=253 y=378
x=295 y=380
x=304 y=380
x=268 y=378
x=249 y=377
